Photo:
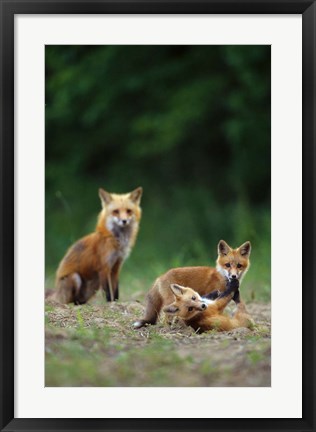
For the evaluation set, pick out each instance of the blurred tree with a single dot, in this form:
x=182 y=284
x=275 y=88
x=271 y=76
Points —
x=191 y=124
x=188 y=114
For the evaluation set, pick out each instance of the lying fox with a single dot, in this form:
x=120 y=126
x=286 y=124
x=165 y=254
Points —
x=96 y=260
x=231 y=264
x=204 y=314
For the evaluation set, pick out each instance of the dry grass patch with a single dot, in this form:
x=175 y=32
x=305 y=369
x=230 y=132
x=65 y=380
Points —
x=96 y=345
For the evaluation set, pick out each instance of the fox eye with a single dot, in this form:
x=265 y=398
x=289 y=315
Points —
x=190 y=309
x=193 y=298
x=116 y=212
x=129 y=211
x=239 y=265
x=227 y=265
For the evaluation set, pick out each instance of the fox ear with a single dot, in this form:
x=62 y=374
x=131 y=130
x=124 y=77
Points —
x=171 y=309
x=223 y=248
x=136 y=195
x=105 y=197
x=245 y=249
x=177 y=290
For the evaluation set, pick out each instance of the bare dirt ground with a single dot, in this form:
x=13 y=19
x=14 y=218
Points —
x=96 y=345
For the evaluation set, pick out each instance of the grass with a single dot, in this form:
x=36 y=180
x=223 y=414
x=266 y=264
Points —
x=95 y=345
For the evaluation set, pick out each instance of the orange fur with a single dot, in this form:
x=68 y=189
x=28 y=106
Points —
x=203 y=314
x=204 y=280
x=96 y=259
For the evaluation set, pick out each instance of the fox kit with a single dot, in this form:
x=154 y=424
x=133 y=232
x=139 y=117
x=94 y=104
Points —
x=95 y=260
x=231 y=264
x=203 y=314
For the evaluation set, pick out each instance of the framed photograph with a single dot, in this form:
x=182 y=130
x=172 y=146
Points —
x=150 y=153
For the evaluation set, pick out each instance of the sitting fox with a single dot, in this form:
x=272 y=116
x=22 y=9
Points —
x=231 y=264
x=204 y=314
x=95 y=260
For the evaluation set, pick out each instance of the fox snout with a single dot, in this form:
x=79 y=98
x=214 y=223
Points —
x=121 y=221
x=234 y=276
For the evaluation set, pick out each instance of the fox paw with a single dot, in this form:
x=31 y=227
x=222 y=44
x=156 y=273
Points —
x=139 y=324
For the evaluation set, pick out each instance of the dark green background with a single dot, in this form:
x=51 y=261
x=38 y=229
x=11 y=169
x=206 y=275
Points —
x=191 y=124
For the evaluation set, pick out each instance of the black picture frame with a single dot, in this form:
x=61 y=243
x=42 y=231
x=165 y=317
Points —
x=8 y=10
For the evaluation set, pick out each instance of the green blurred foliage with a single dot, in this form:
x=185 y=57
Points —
x=191 y=124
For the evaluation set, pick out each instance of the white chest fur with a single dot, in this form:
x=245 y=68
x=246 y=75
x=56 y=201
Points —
x=123 y=237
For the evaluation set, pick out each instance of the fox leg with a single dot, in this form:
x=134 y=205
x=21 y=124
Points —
x=153 y=307
x=224 y=323
x=231 y=291
x=110 y=288
x=116 y=292
x=68 y=288
x=221 y=322
x=115 y=278
x=109 y=282
x=218 y=322
x=87 y=290
x=236 y=297
x=212 y=295
x=242 y=317
x=106 y=284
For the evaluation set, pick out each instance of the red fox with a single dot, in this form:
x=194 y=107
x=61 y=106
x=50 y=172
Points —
x=230 y=264
x=95 y=260
x=203 y=314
